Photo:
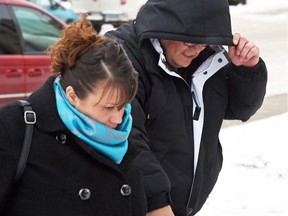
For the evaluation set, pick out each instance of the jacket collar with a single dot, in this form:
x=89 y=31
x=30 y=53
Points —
x=162 y=59
x=45 y=108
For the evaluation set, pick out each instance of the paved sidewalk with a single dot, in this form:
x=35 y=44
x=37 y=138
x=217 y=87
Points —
x=272 y=105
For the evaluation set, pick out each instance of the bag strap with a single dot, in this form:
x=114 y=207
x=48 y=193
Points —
x=30 y=120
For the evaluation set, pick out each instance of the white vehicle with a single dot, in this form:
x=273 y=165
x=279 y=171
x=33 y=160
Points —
x=102 y=11
x=132 y=7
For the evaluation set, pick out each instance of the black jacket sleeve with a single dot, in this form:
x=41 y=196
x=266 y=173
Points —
x=156 y=182
x=247 y=88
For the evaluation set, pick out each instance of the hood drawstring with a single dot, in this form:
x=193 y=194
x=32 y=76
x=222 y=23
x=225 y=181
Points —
x=149 y=108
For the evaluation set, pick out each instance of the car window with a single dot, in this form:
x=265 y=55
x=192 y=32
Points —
x=39 y=30
x=44 y=3
x=9 y=40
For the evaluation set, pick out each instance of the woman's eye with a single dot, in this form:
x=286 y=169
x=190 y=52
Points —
x=108 y=108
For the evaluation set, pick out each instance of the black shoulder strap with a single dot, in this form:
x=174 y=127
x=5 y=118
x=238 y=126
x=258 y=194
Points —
x=30 y=120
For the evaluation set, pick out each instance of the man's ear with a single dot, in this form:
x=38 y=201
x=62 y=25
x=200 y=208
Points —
x=71 y=96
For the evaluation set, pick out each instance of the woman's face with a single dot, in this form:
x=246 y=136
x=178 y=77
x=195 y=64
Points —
x=180 y=54
x=104 y=110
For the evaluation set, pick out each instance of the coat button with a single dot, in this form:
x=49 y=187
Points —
x=220 y=60
x=84 y=194
x=61 y=138
x=125 y=190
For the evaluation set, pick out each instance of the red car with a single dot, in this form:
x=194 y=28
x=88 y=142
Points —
x=26 y=31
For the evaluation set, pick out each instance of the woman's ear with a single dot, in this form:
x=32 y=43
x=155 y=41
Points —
x=71 y=96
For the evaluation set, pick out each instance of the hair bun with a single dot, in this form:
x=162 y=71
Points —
x=83 y=16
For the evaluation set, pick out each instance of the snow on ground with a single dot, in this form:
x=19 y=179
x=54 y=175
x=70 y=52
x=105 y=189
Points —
x=254 y=177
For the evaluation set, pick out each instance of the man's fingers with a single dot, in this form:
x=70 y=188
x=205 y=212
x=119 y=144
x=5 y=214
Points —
x=236 y=38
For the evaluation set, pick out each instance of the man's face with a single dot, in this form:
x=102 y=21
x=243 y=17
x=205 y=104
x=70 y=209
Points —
x=180 y=54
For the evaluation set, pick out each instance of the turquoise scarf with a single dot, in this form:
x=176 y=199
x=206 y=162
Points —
x=110 y=142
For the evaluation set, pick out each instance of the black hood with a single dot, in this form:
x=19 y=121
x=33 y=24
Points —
x=194 y=21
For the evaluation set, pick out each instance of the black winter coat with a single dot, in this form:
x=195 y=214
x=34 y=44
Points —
x=61 y=168
x=180 y=115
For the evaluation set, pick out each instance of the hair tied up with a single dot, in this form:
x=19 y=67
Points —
x=74 y=41
x=83 y=16
x=88 y=33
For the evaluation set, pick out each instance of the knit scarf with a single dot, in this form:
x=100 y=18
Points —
x=110 y=142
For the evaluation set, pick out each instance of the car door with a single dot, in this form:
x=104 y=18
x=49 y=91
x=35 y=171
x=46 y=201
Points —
x=25 y=69
x=12 y=78
x=38 y=31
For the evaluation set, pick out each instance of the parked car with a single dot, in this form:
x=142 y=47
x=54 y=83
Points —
x=26 y=31
x=132 y=7
x=66 y=3
x=236 y=2
x=58 y=9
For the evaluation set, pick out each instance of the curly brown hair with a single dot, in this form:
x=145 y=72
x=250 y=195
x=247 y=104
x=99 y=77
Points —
x=83 y=58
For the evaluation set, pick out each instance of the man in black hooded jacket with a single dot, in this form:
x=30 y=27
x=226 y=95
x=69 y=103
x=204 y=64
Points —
x=188 y=85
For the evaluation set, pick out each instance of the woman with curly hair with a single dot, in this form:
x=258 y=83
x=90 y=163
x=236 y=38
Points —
x=80 y=161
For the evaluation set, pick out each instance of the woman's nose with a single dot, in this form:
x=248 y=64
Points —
x=116 y=117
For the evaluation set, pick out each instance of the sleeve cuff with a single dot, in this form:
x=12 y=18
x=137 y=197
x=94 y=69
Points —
x=158 y=201
x=250 y=71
